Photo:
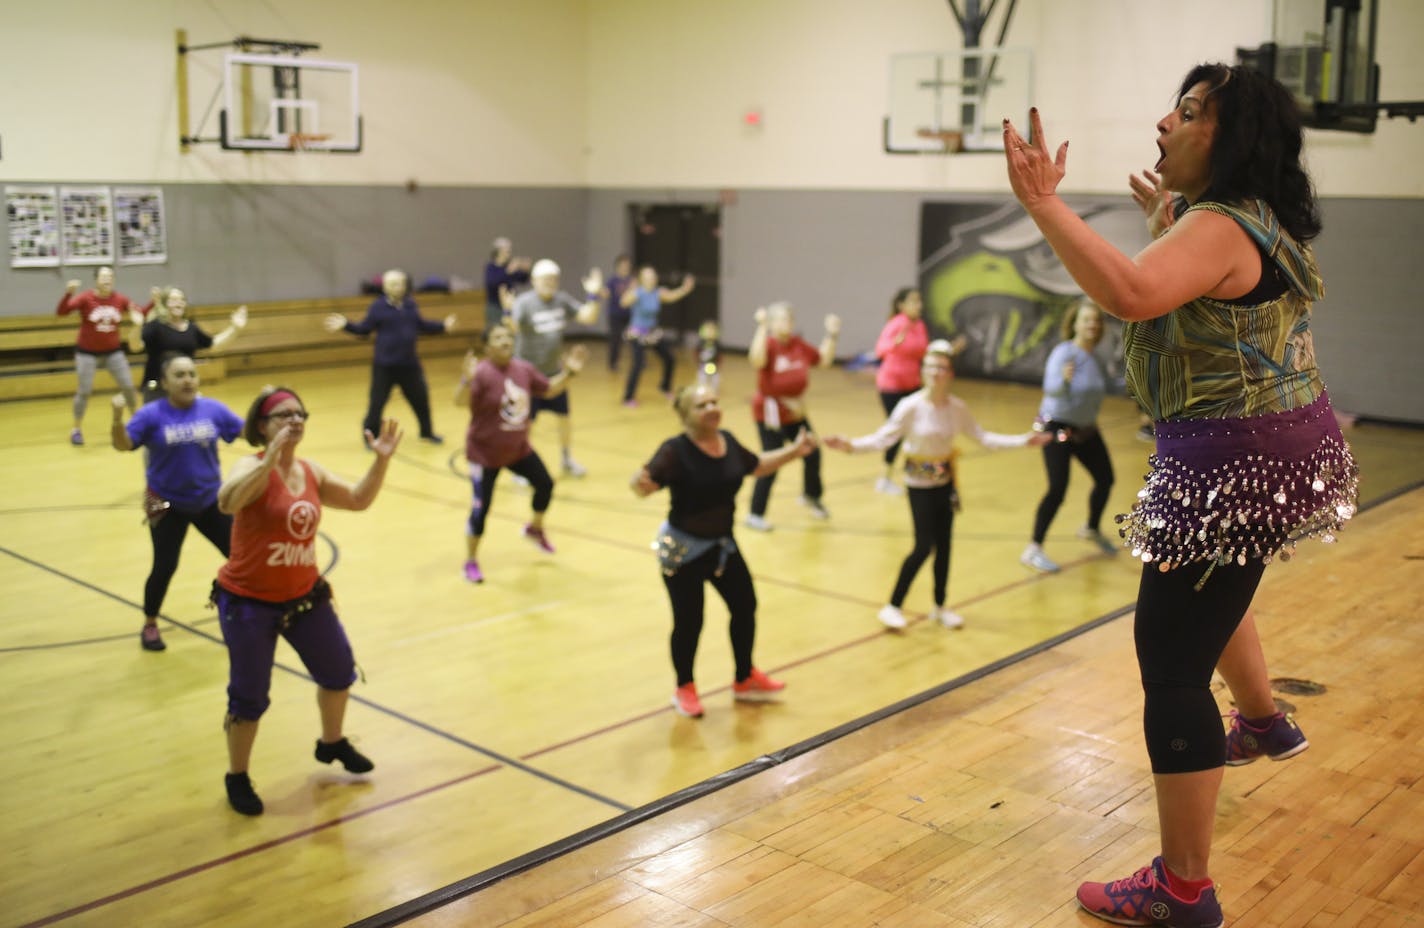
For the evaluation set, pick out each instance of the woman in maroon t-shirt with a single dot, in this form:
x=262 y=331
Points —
x=499 y=391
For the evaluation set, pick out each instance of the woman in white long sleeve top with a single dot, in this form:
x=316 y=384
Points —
x=927 y=422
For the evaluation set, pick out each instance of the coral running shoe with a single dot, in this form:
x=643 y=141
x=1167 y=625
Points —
x=685 y=701
x=1278 y=738
x=1145 y=899
x=757 y=687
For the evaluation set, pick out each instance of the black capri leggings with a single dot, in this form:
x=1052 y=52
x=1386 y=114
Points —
x=1089 y=449
x=1180 y=633
x=932 y=510
x=530 y=467
x=168 y=534
x=772 y=439
x=889 y=401
x=685 y=589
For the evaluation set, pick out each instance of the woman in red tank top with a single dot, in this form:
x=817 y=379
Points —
x=270 y=585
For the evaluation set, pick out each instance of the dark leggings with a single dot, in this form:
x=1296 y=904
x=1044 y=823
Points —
x=889 y=401
x=1093 y=455
x=1180 y=633
x=771 y=439
x=617 y=325
x=685 y=589
x=411 y=379
x=932 y=509
x=168 y=535
x=530 y=467
x=640 y=352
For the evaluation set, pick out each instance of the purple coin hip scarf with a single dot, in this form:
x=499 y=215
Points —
x=1224 y=490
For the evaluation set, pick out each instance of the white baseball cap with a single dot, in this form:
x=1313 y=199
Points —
x=544 y=268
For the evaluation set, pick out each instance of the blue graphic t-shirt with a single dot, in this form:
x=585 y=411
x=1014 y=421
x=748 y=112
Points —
x=183 y=448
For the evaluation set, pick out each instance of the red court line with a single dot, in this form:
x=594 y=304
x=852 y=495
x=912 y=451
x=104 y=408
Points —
x=400 y=800
x=256 y=848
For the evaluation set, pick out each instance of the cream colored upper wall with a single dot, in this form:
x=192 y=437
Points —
x=641 y=93
x=453 y=92
x=671 y=79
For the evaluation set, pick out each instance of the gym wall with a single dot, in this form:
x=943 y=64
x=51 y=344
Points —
x=543 y=119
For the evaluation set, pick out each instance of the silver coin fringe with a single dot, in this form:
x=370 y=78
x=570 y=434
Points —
x=1257 y=507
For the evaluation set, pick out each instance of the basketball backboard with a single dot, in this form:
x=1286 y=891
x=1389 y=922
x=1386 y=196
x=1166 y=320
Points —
x=956 y=100
x=269 y=97
x=1323 y=51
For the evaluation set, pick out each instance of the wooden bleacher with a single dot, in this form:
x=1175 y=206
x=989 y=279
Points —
x=37 y=352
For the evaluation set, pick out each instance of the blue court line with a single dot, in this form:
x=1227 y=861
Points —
x=370 y=704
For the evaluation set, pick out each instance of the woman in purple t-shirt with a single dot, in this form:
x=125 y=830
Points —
x=499 y=392
x=180 y=432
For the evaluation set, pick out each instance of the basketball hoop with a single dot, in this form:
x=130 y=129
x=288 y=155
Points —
x=951 y=140
x=306 y=141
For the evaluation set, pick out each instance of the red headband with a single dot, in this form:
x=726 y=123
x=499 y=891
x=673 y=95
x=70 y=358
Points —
x=271 y=402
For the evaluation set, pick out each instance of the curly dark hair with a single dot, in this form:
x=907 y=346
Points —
x=1256 y=153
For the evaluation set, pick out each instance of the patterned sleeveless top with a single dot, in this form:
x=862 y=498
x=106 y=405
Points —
x=1212 y=359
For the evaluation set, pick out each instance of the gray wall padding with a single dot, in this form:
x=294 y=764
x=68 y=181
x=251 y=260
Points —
x=825 y=251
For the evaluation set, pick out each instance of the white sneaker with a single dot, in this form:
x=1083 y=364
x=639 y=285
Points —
x=888 y=487
x=891 y=617
x=519 y=481
x=574 y=468
x=757 y=523
x=1104 y=543
x=946 y=618
x=1034 y=558
x=817 y=510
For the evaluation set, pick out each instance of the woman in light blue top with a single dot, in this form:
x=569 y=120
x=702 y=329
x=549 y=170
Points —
x=645 y=300
x=1074 y=384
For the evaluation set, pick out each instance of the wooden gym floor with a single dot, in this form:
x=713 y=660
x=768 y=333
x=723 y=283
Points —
x=506 y=716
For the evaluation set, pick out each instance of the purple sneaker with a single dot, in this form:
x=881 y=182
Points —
x=473 y=572
x=538 y=539
x=76 y=437
x=1277 y=737
x=1145 y=899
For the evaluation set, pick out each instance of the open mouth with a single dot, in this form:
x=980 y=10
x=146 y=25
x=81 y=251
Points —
x=1162 y=158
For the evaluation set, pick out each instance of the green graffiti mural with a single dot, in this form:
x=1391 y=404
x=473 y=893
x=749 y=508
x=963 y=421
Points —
x=985 y=274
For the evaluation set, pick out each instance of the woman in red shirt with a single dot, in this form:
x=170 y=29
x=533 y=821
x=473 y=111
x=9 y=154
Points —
x=901 y=350
x=270 y=585
x=783 y=362
x=101 y=312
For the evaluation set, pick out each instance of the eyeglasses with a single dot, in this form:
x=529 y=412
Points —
x=300 y=415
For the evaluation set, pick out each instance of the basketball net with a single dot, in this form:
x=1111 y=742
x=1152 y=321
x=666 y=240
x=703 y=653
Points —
x=950 y=140
x=305 y=141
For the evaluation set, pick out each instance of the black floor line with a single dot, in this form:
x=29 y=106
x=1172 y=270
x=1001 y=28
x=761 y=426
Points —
x=385 y=710
x=472 y=884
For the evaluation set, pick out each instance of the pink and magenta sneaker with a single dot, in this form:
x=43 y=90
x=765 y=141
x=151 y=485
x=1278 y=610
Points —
x=1146 y=899
x=1278 y=738
x=473 y=572
x=538 y=539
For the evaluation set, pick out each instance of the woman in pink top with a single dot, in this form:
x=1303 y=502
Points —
x=901 y=349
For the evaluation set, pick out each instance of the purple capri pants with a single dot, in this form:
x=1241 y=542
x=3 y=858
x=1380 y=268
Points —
x=250 y=629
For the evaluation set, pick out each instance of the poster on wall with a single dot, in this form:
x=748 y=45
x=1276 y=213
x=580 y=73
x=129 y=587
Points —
x=86 y=225
x=987 y=274
x=138 y=217
x=32 y=218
